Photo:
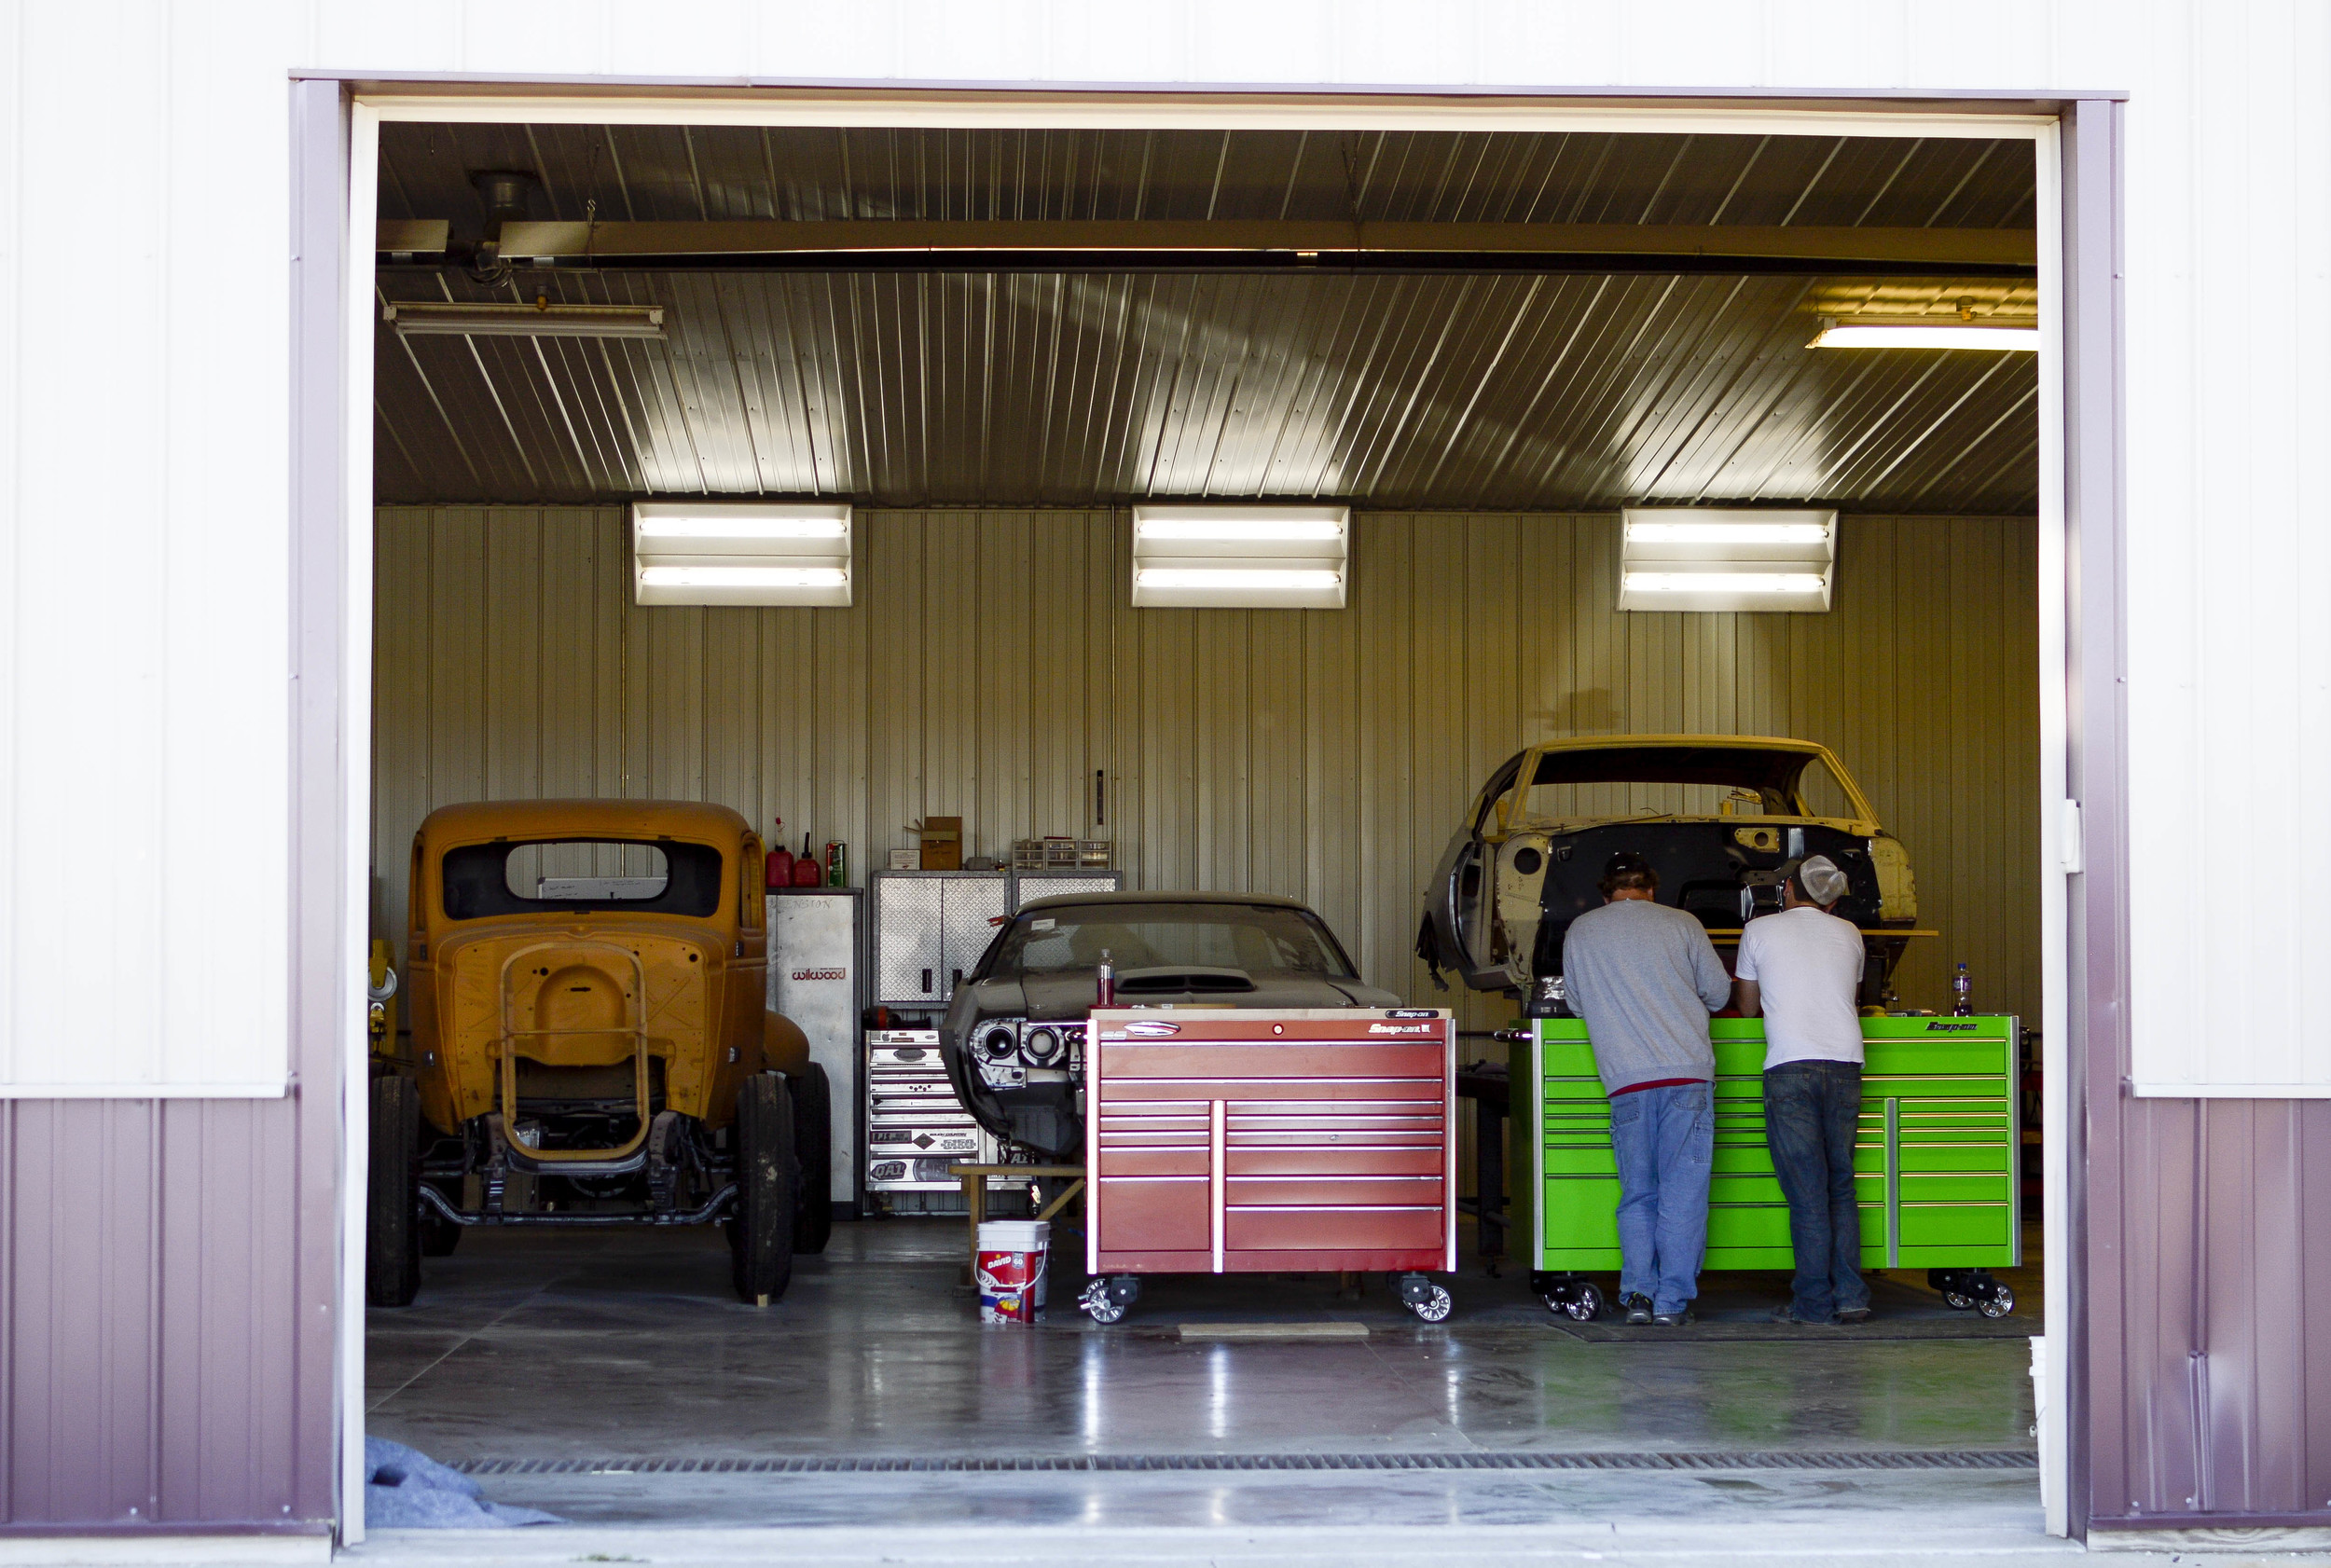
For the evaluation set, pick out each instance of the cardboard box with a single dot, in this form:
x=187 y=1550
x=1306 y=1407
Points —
x=943 y=844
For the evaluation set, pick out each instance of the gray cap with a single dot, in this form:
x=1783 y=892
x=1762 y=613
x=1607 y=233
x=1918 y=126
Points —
x=1823 y=882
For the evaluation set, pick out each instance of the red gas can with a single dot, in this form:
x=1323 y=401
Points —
x=807 y=872
x=780 y=861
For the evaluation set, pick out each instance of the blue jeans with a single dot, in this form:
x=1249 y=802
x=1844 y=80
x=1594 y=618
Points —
x=1665 y=1141
x=1812 y=1111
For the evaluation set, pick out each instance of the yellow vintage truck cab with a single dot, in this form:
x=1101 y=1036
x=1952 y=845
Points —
x=589 y=1044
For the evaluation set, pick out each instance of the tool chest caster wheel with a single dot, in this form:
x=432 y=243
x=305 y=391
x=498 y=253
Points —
x=1974 y=1288
x=1568 y=1295
x=1421 y=1296
x=1105 y=1300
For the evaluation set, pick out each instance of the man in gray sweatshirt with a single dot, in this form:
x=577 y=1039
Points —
x=1645 y=978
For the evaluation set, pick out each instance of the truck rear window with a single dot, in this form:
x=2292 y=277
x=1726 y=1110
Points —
x=483 y=881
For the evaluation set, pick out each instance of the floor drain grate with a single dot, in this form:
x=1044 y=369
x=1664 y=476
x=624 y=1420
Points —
x=1122 y=1464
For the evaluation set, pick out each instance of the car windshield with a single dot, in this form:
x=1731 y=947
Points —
x=1683 y=781
x=485 y=880
x=1260 y=939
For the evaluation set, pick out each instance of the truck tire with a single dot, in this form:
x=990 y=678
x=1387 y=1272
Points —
x=813 y=1143
x=392 y=1195
x=761 y=1235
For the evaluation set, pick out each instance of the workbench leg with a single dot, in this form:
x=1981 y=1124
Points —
x=976 y=1208
x=1060 y=1203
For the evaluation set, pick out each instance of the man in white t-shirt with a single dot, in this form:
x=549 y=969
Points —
x=1802 y=969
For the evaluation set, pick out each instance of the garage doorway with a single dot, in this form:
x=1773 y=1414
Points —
x=1434 y=553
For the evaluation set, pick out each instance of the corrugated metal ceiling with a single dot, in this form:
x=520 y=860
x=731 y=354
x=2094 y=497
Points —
x=1012 y=387
x=675 y=173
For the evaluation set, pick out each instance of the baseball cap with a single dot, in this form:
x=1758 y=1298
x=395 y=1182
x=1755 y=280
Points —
x=1823 y=882
x=1628 y=869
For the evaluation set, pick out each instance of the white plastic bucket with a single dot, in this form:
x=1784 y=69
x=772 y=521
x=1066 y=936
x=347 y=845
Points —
x=1011 y=1270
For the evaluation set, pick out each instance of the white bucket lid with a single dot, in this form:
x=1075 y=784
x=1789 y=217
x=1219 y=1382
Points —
x=1014 y=1235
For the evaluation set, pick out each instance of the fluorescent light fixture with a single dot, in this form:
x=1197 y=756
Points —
x=1236 y=577
x=1702 y=558
x=1723 y=583
x=2011 y=335
x=1727 y=533
x=1240 y=556
x=742 y=553
x=445 y=319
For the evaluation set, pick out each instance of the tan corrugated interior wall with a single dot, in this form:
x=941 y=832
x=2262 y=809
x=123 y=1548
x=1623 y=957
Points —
x=991 y=665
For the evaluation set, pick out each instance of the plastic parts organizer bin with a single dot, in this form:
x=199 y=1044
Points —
x=1229 y=1141
x=1936 y=1160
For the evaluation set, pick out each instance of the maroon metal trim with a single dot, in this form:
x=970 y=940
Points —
x=166 y=1530
x=2128 y=1529
x=2097 y=774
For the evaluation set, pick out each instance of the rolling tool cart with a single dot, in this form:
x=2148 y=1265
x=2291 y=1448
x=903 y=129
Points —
x=1936 y=1161
x=1270 y=1141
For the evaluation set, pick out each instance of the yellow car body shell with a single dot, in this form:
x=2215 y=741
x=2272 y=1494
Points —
x=586 y=1001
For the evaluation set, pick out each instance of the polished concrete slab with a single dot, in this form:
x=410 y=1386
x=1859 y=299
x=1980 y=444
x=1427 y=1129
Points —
x=527 y=1345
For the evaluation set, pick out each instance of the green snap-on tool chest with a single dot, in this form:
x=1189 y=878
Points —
x=1936 y=1160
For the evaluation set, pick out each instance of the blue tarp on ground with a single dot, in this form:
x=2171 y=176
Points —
x=406 y=1490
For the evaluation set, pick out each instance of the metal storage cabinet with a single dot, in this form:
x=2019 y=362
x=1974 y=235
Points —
x=915 y=1127
x=1026 y=884
x=1256 y=1141
x=816 y=979
x=929 y=927
x=1936 y=1159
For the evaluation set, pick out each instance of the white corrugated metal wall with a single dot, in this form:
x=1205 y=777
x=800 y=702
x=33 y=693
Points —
x=992 y=664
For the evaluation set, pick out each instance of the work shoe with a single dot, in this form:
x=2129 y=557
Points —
x=1854 y=1314
x=1675 y=1319
x=1638 y=1307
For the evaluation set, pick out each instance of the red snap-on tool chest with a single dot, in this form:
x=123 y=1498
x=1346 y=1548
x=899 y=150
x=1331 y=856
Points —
x=1245 y=1142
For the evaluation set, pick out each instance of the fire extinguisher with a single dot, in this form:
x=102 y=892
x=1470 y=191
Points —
x=780 y=861
x=806 y=872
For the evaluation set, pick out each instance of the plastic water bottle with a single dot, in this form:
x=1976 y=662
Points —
x=1962 y=995
x=1105 y=981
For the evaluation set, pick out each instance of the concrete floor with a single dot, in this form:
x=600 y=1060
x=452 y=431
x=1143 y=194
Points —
x=622 y=1347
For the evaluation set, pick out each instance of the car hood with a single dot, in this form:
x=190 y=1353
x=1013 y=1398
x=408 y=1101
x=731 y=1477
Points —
x=1071 y=996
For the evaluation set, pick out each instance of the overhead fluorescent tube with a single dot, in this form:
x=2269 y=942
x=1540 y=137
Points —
x=1235 y=577
x=1727 y=533
x=1233 y=528
x=435 y=319
x=714 y=525
x=743 y=576
x=1242 y=556
x=2012 y=335
x=1723 y=583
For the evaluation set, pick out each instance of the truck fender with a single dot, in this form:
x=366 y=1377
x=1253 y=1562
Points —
x=784 y=1046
